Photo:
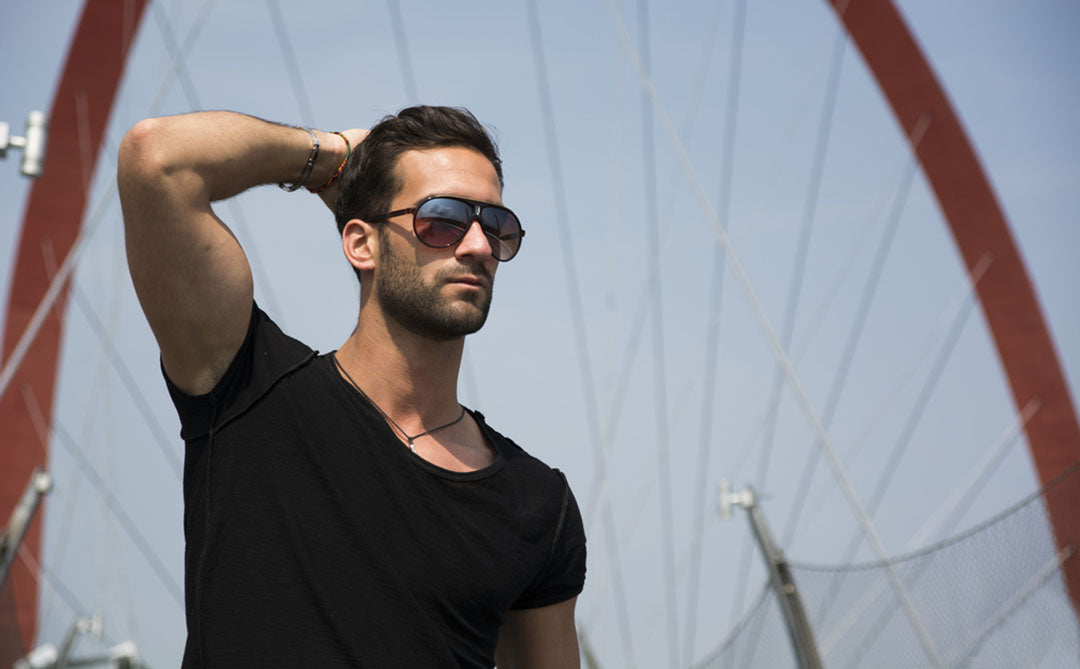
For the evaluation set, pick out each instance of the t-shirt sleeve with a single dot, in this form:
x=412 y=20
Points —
x=264 y=356
x=563 y=576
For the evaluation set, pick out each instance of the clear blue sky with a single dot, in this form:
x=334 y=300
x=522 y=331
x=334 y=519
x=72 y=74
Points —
x=1009 y=68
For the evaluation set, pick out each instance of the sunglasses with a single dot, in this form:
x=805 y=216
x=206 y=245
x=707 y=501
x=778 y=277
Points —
x=442 y=221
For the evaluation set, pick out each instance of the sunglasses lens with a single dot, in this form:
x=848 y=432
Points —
x=442 y=222
x=503 y=231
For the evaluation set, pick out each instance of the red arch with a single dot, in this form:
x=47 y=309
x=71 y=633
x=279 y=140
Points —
x=979 y=227
x=54 y=212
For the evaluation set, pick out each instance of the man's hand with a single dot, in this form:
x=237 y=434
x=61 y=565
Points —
x=355 y=135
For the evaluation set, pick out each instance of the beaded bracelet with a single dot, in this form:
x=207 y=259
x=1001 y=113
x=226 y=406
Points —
x=307 y=168
x=337 y=173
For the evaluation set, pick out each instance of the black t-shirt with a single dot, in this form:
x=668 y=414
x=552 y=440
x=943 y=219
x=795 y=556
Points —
x=314 y=537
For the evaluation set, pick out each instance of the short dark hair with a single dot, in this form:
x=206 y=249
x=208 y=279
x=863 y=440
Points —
x=370 y=180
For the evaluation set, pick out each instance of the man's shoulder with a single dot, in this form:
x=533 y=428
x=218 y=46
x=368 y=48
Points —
x=270 y=341
x=519 y=462
x=552 y=527
x=266 y=356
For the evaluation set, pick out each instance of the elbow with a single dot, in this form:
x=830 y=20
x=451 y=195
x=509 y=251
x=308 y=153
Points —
x=149 y=175
x=141 y=155
x=149 y=169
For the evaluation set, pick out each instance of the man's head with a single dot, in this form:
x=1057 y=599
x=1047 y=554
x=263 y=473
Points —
x=437 y=159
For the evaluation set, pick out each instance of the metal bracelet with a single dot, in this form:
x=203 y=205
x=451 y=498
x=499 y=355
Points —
x=312 y=157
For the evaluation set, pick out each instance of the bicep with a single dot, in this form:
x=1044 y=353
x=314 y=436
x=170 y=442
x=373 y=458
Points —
x=540 y=637
x=191 y=276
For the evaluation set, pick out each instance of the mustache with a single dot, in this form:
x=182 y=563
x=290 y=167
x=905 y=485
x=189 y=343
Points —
x=478 y=270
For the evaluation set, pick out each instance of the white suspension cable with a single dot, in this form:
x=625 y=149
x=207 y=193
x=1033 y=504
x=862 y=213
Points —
x=296 y=80
x=953 y=311
x=932 y=524
x=100 y=380
x=397 y=26
x=577 y=312
x=95 y=479
x=779 y=158
x=712 y=327
x=824 y=440
x=33 y=326
x=44 y=575
x=945 y=517
x=177 y=57
x=659 y=361
x=856 y=327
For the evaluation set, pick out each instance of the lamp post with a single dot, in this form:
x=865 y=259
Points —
x=32 y=143
x=802 y=636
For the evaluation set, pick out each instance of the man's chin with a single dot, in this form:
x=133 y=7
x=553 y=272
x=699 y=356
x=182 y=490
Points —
x=467 y=323
x=464 y=319
x=469 y=305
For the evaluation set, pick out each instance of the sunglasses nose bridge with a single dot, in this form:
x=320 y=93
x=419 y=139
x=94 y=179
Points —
x=473 y=217
x=470 y=246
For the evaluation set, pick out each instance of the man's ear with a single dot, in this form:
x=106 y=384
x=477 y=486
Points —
x=360 y=243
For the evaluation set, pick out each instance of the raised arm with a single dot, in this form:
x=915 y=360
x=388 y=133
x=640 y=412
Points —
x=191 y=276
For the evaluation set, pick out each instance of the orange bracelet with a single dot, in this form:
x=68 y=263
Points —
x=341 y=167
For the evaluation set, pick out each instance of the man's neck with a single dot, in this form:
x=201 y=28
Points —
x=411 y=378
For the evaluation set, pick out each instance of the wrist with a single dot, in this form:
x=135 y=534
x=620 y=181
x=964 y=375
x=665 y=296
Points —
x=309 y=163
x=337 y=151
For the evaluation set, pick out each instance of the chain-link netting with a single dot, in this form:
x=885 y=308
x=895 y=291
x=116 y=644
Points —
x=759 y=640
x=993 y=596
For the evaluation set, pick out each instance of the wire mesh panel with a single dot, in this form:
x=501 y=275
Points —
x=1038 y=634
x=993 y=596
x=759 y=640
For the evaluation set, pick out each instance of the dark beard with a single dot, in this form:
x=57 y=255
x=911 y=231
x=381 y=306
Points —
x=418 y=307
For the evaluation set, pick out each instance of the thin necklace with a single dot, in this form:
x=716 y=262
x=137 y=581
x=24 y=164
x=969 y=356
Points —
x=390 y=420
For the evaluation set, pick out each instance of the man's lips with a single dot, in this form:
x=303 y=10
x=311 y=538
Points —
x=469 y=280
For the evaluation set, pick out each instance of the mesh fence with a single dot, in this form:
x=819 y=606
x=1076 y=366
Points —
x=993 y=596
x=759 y=640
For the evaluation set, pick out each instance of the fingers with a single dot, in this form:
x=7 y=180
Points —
x=337 y=147
x=355 y=135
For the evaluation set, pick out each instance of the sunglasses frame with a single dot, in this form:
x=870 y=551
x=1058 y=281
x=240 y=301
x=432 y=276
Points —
x=477 y=211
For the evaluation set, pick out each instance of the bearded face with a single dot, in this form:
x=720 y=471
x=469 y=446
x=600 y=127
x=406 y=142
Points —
x=420 y=305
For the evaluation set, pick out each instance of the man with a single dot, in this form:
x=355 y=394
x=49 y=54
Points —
x=344 y=509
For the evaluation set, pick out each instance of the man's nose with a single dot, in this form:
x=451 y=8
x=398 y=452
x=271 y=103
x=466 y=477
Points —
x=475 y=242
